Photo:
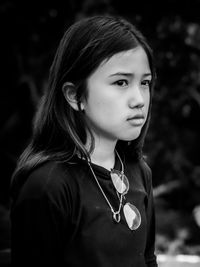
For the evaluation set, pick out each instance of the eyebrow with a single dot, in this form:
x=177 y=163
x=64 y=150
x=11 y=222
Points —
x=128 y=74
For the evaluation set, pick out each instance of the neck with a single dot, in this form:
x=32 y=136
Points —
x=104 y=153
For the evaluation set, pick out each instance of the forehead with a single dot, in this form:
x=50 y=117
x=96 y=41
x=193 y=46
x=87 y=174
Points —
x=133 y=60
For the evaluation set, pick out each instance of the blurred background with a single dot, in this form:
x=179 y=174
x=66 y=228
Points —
x=30 y=33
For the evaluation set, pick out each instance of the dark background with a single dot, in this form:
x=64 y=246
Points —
x=30 y=33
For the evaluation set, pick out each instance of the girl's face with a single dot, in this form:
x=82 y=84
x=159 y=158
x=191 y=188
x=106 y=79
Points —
x=118 y=96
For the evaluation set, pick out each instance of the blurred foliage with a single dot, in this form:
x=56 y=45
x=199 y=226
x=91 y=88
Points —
x=29 y=36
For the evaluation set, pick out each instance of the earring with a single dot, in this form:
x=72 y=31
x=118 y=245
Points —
x=80 y=106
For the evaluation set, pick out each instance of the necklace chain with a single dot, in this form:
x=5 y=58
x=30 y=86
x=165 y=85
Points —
x=116 y=214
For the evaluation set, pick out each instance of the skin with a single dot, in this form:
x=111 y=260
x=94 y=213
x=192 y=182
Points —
x=118 y=90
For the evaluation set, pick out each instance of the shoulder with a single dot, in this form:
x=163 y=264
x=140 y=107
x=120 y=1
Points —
x=140 y=165
x=50 y=180
x=145 y=167
x=141 y=171
x=146 y=173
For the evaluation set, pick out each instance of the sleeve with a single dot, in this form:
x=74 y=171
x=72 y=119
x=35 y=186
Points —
x=38 y=228
x=150 y=256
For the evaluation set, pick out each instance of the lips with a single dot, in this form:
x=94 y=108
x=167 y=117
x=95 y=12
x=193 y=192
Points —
x=136 y=120
x=136 y=117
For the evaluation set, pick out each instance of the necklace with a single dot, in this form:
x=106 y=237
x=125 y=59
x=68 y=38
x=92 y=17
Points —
x=116 y=214
x=121 y=184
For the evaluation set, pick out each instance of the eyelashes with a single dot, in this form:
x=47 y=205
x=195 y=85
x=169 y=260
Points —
x=146 y=83
x=125 y=83
x=122 y=83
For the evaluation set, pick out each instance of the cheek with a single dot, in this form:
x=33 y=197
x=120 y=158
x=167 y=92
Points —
x=101 y=103
x=147 y=102
x=105 y=109
x=97 y=108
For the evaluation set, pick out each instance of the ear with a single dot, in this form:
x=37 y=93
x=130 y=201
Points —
x=69 y=92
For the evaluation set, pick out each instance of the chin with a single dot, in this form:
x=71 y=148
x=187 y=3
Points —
x=131 y=137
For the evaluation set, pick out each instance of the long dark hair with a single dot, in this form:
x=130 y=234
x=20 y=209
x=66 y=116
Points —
x=59 y=131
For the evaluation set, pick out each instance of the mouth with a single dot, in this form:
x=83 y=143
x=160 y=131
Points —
x=136 y=120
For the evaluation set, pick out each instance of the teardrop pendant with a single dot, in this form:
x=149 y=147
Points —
x=120 y=181
x=116 y=217
x=132 y=216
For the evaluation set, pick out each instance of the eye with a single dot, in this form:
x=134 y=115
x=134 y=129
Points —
x=121 y=83
x=146 y=83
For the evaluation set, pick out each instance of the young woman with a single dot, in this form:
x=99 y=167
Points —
x=82 y=192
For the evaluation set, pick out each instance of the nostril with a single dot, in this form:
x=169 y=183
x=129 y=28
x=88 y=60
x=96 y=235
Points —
x=140 y=105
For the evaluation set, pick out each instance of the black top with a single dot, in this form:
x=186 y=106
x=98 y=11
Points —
x=61 y=218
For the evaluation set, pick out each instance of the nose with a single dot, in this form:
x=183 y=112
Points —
x=136 y=99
